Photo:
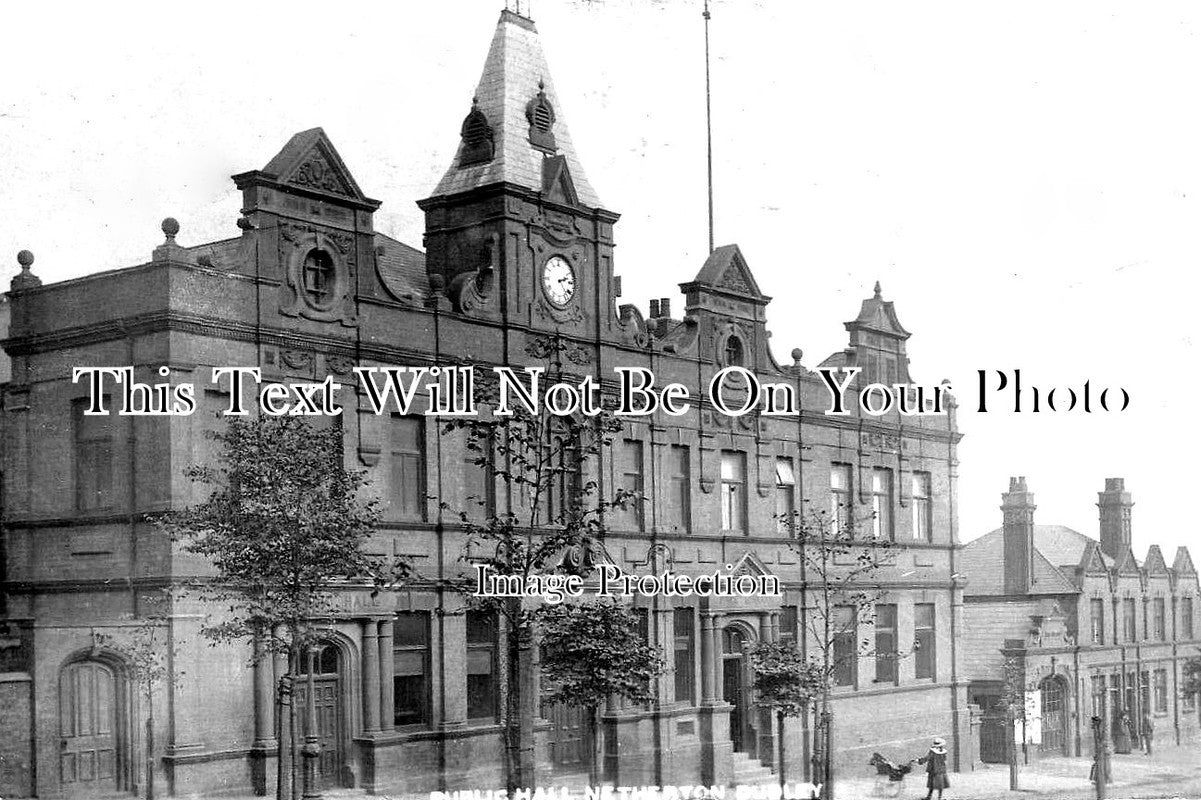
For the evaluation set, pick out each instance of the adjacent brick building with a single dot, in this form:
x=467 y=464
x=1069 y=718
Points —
x=517 y=245
x=1086 y=628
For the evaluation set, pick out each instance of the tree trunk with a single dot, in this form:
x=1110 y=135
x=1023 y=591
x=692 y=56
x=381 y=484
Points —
x=149 y=746
x=512 y=721
x=281 y=748
x=828 y=783
x=594 y=747
x=1013 y=754
x=780 y=739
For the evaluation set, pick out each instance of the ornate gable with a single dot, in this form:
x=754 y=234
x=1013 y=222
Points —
x=1091 y=561
x=726 y=270
x=309 y=162
x=1127 y=565
x=1154 y=564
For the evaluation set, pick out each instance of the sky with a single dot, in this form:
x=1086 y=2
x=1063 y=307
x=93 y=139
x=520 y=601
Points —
x=1024 y=179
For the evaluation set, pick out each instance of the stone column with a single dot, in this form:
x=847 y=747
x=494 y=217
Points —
x=715 y=648
x=386 y=669
x=370 y=676
x=707 y=656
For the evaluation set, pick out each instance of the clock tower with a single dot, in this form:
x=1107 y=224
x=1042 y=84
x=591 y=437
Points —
x=514 y=231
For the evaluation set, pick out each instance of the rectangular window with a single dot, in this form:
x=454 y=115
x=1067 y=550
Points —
x=411 y=670
x=479 y=476
x=563 y=459
x=785 y=496
x=679 y=495
x=482 y=676
x=840 y=499
x=1097 y=610
x=882 y=503
x=923 y=518
x=788 y=625
x=845 y=655
x=886 y=643
x=93 y=458
x=925 y=661
x=1098 y=696
x=1128 y=620
x=408 y=467
x=1186 y=618
x=1159 y=617
x=1160 y=688
x=633 y=517
x=685 y=654
x=733 y=491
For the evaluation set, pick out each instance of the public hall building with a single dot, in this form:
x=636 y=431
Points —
x=517 y=246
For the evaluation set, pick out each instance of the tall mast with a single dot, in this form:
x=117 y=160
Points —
x=708 y=126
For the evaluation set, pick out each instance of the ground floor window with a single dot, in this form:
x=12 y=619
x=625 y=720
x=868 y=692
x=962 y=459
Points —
x=482 y=670
x=1160 y=689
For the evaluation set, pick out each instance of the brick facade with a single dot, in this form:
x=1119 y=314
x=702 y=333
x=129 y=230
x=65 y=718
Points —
x=82 y=562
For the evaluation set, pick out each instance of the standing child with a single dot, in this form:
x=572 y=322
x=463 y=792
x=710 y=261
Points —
x=936 y=768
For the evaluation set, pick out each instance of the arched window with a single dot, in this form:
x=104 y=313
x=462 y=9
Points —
x=734 y=355
x=320 y=275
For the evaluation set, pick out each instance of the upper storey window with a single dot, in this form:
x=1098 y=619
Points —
x=320 y=276
x=541 y=116
x=735 y=355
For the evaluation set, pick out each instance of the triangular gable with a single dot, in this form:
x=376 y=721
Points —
x=750 y=564
x=1128 y=564
x=1092 y=562
x=1183 y=564
x=726 y=269
x=1154 y=563
x=557 y=185
x=310 y=161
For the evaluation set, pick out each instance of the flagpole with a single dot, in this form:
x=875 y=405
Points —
x=709 y=126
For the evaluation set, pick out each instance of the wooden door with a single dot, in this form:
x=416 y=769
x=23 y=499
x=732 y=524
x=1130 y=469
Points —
x=327 y=697
x=88 y=761
x=1054 y=719
x=570 y=738
x=736 y=690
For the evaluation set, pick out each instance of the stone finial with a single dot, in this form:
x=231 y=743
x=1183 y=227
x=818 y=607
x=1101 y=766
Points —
x=170 y=250
x=25 y=279
x=877 y=290
x=797 y=354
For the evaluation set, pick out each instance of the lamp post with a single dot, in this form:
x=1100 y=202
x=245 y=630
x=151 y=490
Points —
x=312 y=745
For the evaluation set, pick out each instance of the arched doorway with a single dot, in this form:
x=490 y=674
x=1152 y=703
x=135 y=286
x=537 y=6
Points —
x=94 y=748
x=1053 y=701
x=328 y=669
x=736 y=687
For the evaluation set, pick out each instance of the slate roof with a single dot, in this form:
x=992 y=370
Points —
x=981 y=562
x=512 y=71
x=401 y=268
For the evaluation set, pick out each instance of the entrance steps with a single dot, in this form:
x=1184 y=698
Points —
x=748 y=771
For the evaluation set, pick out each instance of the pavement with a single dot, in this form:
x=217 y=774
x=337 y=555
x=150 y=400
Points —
x=1173 y=772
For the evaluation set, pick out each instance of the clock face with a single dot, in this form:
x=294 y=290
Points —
x=558 y=280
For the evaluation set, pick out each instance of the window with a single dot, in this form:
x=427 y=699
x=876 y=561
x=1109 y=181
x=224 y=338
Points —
x=1160 y=688
x=1186 y=617
x=882 y=503
x=479 y=476
x=785 y=495
x=788 y=625
x=633 y=516
x=93 y=458
x=733 y=491
x=845 y=654
x=840 y=498
x=679 y=496
x=685 y=654
x=1097 y=620
x=734 y=354
x=482 y=691
x=923 y=522
x=924 y=660
x=1128 y=620
x=410 y=675
x=563 y=458
x=319 y=278
x=1098 y=696
x=408 y=467
x=886 y=643
x=1159 y=618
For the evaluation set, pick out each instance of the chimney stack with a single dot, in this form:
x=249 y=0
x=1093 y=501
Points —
x=654 y=310
x=665 y=307
x=1115 y=504
x=1017 y=508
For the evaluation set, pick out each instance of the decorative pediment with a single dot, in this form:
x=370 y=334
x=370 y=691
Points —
x=1127 y=565
x=1049 y=630
x=750 y=564
x=726 y=270
x=1092 y=562
x=310 y=161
